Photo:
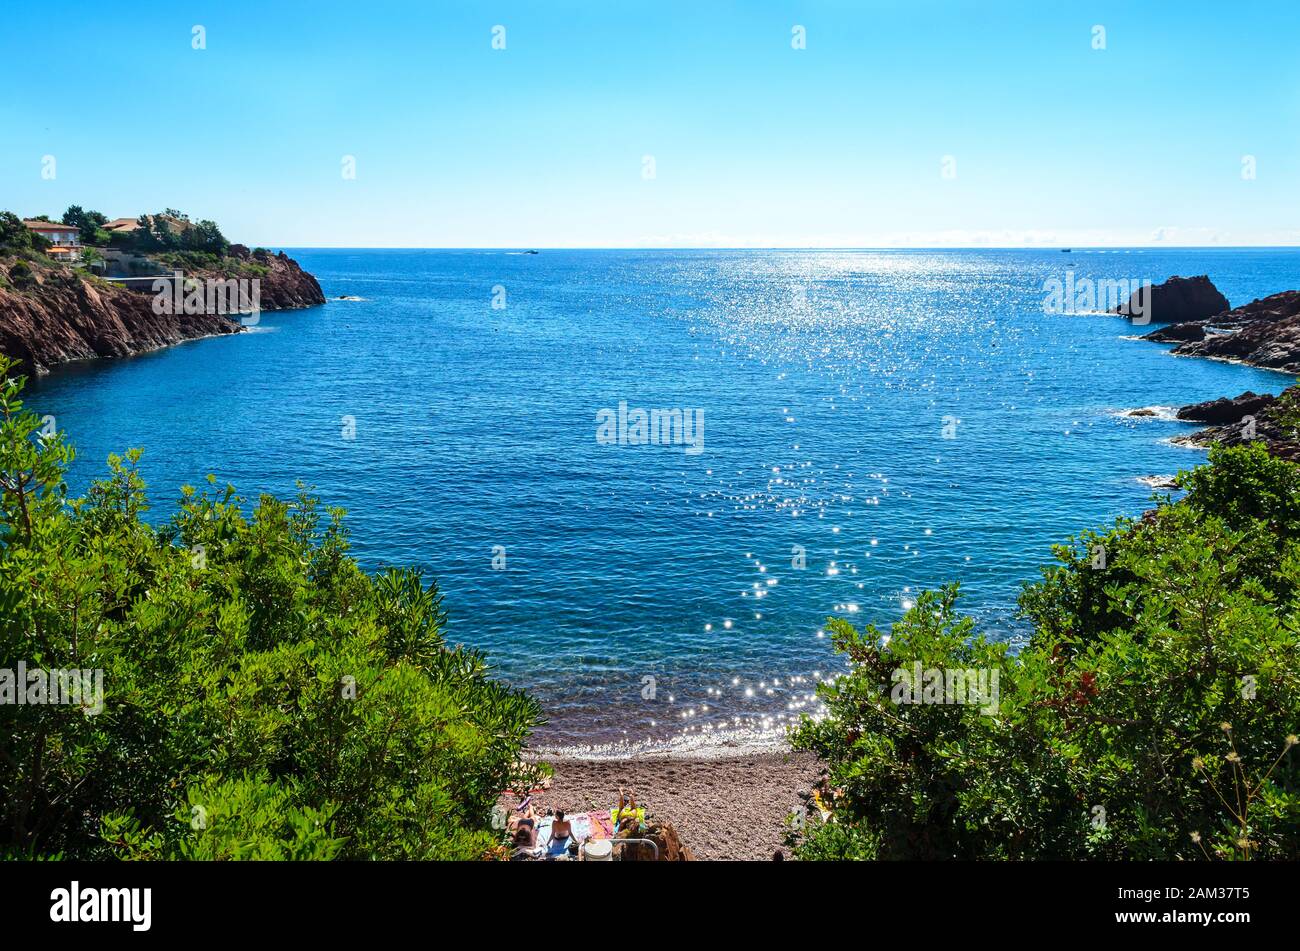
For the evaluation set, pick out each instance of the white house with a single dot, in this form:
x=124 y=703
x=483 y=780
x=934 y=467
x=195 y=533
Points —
x=65 y=239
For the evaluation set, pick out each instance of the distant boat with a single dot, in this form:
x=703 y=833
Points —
x=532 y=252
x=1065 y=250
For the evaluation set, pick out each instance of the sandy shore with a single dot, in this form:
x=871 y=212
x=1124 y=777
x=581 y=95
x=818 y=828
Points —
x=723 y=807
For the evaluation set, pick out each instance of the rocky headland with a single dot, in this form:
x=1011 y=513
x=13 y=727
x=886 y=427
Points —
x=284 y=284
x=1250 y=417
x=1264 y=333
x=51 y=313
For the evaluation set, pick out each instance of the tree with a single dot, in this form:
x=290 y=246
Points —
x=14 y=235
x=260 y=695
x=1153 y=714
x=163 y=236
x=87 y=223
x=207 y=237
x=142 y=238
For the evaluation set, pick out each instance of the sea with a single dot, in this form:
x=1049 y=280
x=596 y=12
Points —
x=643 y=480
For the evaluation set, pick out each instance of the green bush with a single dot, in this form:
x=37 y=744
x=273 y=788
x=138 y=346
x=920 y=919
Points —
x=172 y=231
x=248 y=818
x=20 y=272
x=1151 y=716
x=253 y=677
x=15 y=237
x=89 y=224
x=190 y=260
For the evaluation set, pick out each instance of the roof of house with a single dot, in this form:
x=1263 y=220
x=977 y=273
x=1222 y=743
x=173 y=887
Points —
x=36 y=225
x=174 y=225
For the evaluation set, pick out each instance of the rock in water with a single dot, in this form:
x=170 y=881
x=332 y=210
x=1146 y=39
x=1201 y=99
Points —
x=1178 y=300
x=1178 y=333
x=1225 y=410
x=1249 y=417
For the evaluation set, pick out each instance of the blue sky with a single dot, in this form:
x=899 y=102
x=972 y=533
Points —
x=755 y=143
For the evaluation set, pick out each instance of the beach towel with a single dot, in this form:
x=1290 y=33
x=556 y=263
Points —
x=586 y=825
x=601 y=827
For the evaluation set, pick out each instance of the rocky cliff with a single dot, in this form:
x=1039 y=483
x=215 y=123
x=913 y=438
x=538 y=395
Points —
x=1177 y=300
x=284 y=286
x=53 y=314
x=1263 y=333
x=1249 y=417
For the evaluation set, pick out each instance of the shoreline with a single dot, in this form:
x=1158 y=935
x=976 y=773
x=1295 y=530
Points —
x=716 y=744
x=60 y=315
x=725 y=808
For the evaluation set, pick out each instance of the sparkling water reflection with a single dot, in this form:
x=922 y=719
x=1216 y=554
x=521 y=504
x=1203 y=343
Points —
x=875 y=423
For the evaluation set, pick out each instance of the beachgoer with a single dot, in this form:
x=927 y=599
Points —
x=527 y=817
x=526 y=835
x=561 y=828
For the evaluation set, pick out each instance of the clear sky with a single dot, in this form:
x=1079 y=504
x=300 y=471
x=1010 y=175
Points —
x=754 y=143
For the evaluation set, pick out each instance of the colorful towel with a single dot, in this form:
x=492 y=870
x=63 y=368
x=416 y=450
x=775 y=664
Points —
x=586 y=825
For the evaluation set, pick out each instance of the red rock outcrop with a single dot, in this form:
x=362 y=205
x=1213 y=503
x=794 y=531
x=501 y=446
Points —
x=1265 y=333
x=53 y=315
x=1177 y=300
x=286 y=287
x=57 y=316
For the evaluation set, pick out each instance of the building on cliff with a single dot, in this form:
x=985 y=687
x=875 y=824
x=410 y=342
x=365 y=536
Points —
x=65 y=241
x=122 y=225
x=127 y=225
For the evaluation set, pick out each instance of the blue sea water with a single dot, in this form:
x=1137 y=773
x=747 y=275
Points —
x=904 y=417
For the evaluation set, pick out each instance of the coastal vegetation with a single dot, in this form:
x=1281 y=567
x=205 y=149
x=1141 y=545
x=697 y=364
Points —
x=1152 y=714
x=255 y=693
x=17 y=240
x=168 y=239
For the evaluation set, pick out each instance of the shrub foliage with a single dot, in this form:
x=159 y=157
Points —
x=263 y=697
x=1152 y=714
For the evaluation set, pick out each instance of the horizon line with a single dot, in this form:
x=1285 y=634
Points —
x=781 y=247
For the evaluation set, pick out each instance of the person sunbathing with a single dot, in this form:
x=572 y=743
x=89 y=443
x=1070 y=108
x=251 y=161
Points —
x=525 y=836
x=627 y=814
x=523 y=829
x=563 y=839
x=561 y=828
x=524 y=816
